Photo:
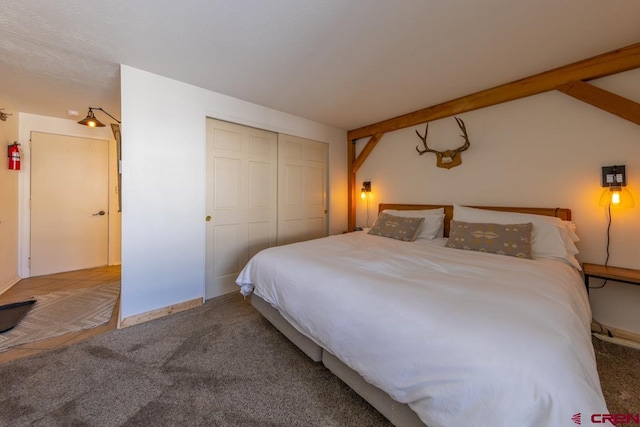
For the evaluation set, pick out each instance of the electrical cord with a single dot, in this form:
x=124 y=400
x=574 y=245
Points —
x=603 y=328
x=606 y=261
x=368 y=200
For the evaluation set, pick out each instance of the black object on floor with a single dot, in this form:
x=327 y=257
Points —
x=12 y=314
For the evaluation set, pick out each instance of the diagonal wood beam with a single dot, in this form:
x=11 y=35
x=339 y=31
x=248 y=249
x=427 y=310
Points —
x=613 y=62
x=371 y=144
x=605 y=100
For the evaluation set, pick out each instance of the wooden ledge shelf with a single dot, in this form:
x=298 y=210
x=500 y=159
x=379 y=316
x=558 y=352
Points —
x=617 y=274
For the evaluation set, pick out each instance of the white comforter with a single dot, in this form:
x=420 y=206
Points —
x=465 y=338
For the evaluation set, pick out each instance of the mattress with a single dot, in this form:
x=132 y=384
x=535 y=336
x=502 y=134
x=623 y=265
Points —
x=463 y=338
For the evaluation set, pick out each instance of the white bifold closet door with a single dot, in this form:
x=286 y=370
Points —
x=241 y=201
x=262 y=189
x=302 y=189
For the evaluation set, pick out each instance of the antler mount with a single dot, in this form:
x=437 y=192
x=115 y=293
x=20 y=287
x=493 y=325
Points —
x=448 y=158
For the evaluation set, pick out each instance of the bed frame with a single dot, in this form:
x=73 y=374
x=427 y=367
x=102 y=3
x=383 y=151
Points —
x=400 y=414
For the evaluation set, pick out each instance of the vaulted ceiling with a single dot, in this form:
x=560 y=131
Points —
x=346 y=63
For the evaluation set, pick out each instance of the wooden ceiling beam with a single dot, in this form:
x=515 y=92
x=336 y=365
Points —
x=613 y=62
x=605 y=100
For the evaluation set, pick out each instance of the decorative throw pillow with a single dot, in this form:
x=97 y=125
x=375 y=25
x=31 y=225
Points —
x=396 y=227
x=504 y=239
x=550 y=238
x=433 y=225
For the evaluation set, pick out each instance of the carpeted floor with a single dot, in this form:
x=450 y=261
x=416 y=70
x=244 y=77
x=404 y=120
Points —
x=619 y=370
x=220 y=364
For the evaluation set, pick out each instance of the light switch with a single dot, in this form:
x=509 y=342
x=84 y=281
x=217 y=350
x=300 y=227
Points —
x=614 y=176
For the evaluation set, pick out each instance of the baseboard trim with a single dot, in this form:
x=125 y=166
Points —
x=158 y=313
x=619 y=341
x=620 y=336
x=8 y=285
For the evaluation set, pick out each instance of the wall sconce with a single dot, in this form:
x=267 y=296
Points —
x=3 y=115
x=614 y=179
x=91 y=120
x=366 y=189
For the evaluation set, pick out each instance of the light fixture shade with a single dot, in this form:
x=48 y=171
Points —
x=91 y=120
x=617 y=197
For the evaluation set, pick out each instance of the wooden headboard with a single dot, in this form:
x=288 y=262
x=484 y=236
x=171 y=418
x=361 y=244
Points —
x=562 y=213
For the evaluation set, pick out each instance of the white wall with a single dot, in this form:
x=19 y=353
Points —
x=545 y=150
x=34 y=123
x=163 y=143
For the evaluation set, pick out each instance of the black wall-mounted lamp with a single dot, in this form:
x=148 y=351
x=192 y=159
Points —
x=366 y=189
x=614 y=179
x=91 y=120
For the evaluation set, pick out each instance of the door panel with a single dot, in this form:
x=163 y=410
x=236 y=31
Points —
x=241 y=200
x=316 y=228
x=227 y=183
x=260 y=191
x=228 y=247
x=260 y=237
x=293 y=176
x=302 y=186
x=315 y=187
x=69 y=187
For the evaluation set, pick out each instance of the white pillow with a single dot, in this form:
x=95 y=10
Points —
x=551 y=237
x=571 y=229
x=433 y=224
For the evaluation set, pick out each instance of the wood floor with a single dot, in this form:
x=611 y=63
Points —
x=32 y=287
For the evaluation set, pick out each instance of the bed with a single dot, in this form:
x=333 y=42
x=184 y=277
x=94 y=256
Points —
x=439 y=336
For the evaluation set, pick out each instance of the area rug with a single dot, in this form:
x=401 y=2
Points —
x=62 y=312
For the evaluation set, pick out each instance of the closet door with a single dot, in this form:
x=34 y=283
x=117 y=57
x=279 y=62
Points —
x=241 y=200
x=302 y=189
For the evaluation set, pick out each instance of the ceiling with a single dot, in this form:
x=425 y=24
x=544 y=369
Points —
x=346 y=63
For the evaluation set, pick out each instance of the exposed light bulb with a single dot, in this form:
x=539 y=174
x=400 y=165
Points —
x=615 y=197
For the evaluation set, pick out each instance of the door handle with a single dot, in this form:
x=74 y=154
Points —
x=98 y=213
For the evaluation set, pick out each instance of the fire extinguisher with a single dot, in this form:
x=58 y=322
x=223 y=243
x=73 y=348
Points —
x=14 y=156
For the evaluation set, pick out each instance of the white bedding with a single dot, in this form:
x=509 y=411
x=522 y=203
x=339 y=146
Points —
x=465 y=338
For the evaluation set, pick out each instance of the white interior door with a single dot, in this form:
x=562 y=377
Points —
x=69 y=203
x=302 y=189
x=241 y=200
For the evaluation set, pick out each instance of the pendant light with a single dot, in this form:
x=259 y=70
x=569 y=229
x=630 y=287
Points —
x=91 y=119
